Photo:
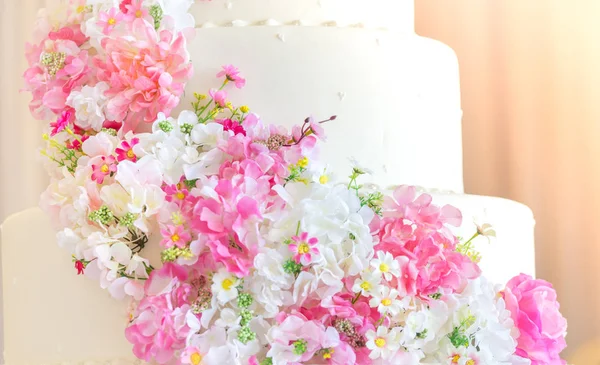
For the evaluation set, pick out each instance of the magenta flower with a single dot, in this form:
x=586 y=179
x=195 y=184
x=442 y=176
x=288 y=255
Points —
x=304 y=248
x=176 y=192
x=231 y=125
x=66 y=117
x=536 y=314
x=106 y=167
x=108 y=20
x=219 y=96
x=125 y=152
x=232 y=74
x=175 y=236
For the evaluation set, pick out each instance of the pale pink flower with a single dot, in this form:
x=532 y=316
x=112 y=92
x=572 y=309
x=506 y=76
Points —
x=135 y=10
x=219 y=97
x=536 y=313
x=232 y=74
x=106 y=167
x=293 y=329
x=125 y=152
x=159 y=327
x=175 y=236
x=147 y=72
x=109 y=20
x=304 y=248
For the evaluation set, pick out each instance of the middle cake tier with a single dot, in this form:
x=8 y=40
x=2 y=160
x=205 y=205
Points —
x=396 y=96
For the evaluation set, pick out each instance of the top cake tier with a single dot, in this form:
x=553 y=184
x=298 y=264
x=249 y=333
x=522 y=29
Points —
x=397 y=15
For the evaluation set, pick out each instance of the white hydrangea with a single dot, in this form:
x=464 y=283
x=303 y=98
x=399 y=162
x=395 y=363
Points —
x=89 y=104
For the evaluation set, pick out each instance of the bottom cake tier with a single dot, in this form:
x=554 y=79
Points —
x=52 y=316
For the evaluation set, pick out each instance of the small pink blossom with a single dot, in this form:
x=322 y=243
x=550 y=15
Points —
x=106 y=167
x=66 y=117
x=135 y=10
x=175 y=236
x=219 y=97
x=536 y=313
x=125 y=152
x=176 y=193
x=109 y=20
x=232 y=74
x=123 y=5
x=304 y=248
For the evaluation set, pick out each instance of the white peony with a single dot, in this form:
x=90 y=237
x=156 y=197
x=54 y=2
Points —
x=89 y=104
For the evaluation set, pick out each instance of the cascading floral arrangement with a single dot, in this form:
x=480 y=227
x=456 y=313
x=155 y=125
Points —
x=264 y=257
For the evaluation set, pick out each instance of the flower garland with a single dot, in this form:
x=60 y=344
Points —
x=265 y=257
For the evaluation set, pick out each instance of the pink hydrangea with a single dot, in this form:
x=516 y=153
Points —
x=159 y=329
x=304 y=248
x=57 y=66
x=232 y=74
x=147 y=71
x=106 y=166
x=536 y=313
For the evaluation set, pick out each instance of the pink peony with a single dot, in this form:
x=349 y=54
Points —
x=536 y=314
x=106 y=167
x=147 y=72
x=232 y=74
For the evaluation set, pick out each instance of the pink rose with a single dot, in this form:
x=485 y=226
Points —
x=536 y=314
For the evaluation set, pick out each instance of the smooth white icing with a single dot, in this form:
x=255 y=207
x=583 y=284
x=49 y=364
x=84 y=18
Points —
x=397 y=97
x=396 y=15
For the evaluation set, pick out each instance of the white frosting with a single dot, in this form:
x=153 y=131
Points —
x=391 y=14
x=397 y=97
x=512 y=252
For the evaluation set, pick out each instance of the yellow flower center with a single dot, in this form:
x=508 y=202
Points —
x=324 y=179
x=175 y=237
x=130 y=154
x=365 y=285
x=195 y=358
x=470 y=362
x=387 y=302
x=380 y=342
x=180 y=195
x=327 y=354
x=303 y=162
x=104 y=169
x=138 y=14
x=384 y=268
x=227 y=284
x=455 y=359
x=80 y=9
x=112 y=21
x=303 y=248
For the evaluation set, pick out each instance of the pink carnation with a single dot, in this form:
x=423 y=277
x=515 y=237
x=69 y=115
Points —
x=147 y=72
x=536 y=314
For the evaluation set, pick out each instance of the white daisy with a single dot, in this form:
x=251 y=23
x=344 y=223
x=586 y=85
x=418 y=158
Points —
x=224 y=286
x=385 y=265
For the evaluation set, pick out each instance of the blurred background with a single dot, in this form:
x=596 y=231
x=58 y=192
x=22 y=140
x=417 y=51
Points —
x=530 y=78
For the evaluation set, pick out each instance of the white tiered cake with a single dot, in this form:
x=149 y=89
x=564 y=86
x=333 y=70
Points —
x=356 y=59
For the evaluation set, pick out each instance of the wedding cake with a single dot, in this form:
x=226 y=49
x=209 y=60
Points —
x=397 y=101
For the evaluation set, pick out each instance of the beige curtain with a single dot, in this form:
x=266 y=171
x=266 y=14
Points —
x=531 y=98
